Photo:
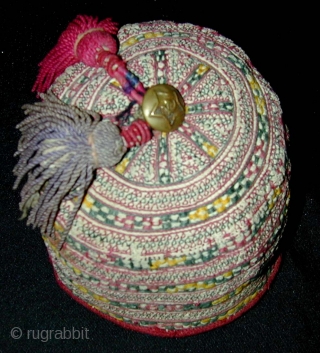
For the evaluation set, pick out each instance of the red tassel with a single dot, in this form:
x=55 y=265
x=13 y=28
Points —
x=81 y=41
x=136 y=134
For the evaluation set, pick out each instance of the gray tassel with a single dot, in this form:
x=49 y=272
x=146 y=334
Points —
x=58 y=151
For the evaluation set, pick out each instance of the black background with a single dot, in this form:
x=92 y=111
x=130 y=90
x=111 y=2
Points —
x=282 y=43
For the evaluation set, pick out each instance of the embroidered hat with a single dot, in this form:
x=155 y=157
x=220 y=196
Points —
x=157 y=173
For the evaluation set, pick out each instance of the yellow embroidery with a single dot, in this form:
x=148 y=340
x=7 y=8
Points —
x=222 y=317
x=76 y=271
x=221 y=203
x=129 y=42
x=88 y=202
x=277 y=191
x=82 y=288
x=238 y=306
x=202 y=69
x=191 y=287
x=153 y=34
x=232 y=311
x=261 y=104
x=201 y=214
x=149 y=35
x=248 y=300
x=101 y=298
x=115 y=83
x=254 y=84
x=208 y=286
x=228 y=274
x=210 y=149
x=240 y=288
x=172 y=290
x=58 y=227
x=132 y=41
x=221 y=300
x=170 y=262
x=121 y=167
x=112 y=315
x=205 y=321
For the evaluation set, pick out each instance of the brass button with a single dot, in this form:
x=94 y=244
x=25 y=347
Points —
x=163 y=108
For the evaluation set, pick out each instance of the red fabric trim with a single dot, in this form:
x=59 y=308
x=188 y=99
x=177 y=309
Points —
x=155 y=331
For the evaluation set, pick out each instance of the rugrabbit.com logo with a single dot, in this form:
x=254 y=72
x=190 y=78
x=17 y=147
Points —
x=47 y=335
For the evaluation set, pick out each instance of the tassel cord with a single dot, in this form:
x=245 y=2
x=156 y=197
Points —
x=38 y=134
x=59 y=150
x=39 y=150
x=54 y=194
x=41 y=178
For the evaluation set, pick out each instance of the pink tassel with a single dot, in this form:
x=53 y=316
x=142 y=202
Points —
x=92 y=43
x=81 y=41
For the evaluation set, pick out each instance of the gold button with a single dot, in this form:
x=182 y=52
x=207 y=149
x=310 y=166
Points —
x=163 y=108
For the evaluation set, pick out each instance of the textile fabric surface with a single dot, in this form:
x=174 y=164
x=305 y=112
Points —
x=286 y=319
x=181 y=235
